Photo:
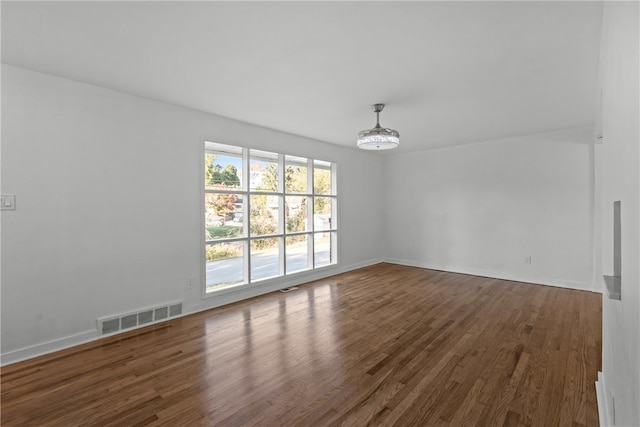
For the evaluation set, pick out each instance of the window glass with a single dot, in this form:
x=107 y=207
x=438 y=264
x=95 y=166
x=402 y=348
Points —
x=296 y=179
x=224 y=265
x=263 y=171
x=297 y=253
x=296 y=208
x=265 y=256
x=322 y=213
x=321 y=177
x=223 y=215
x=322 y=249
x=266 y=215
x=222 y=166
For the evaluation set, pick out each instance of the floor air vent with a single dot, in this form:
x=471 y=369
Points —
x=111 y=324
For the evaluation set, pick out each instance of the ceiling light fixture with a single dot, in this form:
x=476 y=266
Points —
x=378 y=138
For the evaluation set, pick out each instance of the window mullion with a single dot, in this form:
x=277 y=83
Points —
x=310 y=176
x=310 y=218
x=281 y=215
x=246 y=216
x=264 y=233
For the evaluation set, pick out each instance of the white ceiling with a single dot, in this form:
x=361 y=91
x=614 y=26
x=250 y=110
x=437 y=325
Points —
x=450 y=72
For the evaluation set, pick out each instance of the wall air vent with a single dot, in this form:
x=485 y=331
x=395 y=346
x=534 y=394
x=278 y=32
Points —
x=143 y=317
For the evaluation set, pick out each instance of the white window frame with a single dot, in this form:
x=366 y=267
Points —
x=246 y=192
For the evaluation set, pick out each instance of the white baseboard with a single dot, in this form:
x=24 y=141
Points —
x=224 y=298
x=207 y=303
x=47 y=347
x=582 y=286
x=603 y=404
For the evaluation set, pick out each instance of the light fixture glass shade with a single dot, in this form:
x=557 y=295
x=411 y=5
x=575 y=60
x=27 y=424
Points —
x=378 y=138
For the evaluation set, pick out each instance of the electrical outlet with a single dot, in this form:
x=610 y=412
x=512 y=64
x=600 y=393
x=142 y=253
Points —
x=528 y=260
x=189 y=282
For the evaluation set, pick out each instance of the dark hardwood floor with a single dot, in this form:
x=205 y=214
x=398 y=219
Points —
x=384 y=345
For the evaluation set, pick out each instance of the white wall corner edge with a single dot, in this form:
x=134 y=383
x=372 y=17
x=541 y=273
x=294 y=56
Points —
x=85 y=337
x=603 y=405
x=559 y=283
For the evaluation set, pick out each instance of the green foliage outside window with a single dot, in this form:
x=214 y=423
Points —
x=262 y=218
x=215 y=174
x=221 y=251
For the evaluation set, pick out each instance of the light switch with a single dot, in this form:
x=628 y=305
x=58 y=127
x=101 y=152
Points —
x=8 y=202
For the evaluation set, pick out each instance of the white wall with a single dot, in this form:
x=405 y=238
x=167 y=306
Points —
x=483 y=208
x=619 y=386
x=108 y=206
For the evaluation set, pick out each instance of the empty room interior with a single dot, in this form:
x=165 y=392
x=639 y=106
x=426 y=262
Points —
x=320 y=213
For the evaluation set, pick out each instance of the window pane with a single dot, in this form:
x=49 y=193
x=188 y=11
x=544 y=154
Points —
x=224 y=265
x=265 y=261
x=222 y=169
x=322 y=213
x=263 y=171
x=295 y=179
x=223 y=216
x=297 y=253
x=296 y=213
x=264 y=214
x=321 y=177
x=323 y=249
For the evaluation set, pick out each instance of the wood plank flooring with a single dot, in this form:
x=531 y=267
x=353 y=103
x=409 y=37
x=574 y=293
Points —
x=385 y=345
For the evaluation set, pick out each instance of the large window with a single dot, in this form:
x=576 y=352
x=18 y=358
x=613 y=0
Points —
x=265 y=215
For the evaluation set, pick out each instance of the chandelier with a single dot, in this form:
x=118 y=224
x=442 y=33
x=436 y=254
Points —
x=378 y=138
